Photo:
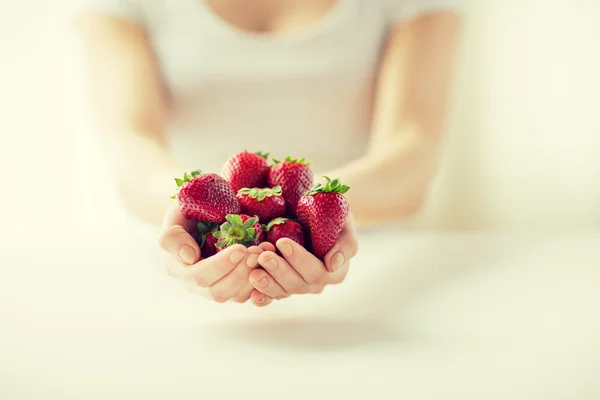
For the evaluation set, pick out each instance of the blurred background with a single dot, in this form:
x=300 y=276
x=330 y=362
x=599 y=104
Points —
x=523 y=134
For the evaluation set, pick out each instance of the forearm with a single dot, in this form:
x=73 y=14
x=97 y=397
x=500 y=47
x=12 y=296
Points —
x=391 y=182
x=143 y=172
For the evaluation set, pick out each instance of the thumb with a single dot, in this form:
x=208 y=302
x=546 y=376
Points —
x=175 y=237
x=344 y=249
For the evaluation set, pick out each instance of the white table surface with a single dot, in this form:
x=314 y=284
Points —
x=421 y=316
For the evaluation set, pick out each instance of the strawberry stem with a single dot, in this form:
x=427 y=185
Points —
x=205 y=228
x=274 y=222
x=331 y=186
x=263 y=155
x=261 y=193
x=293 y=160
x=186 y=178
x=236 y=231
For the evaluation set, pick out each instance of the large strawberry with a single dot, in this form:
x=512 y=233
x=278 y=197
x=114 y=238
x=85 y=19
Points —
x=284 y=228
x=246 y=170
x=295 y=178
x=266 y=204
x=322 y=212
x=205 y=197
x=239 y=229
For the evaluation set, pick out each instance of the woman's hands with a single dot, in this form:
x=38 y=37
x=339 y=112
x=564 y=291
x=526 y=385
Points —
x=222 y=277
x=298 y=271
x=232 y=274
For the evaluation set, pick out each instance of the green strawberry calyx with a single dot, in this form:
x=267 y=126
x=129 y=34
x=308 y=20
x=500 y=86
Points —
x=263 y=155
x=276 y=221
x=259 y=153
x=236 y=231
x=186 y=178
x=261 y=193
x=205 y=228
x=330 y=186
x=293 y=160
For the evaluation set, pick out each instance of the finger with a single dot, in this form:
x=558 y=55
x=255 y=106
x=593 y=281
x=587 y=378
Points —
x=259 y=299
x=309 y=267
x=344 y=249
x=243 y=295
x=252 y=260
x=227 y=287
x=265 y=284
x=340 y=275
x=281 y=271
x=175 y=237
x=208 y=271
x=267 y=246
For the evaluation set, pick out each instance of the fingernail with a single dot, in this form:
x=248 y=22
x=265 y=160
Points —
x=187 y=254
x=262 y=282
x=336 y=261
x=251 y=260
x=271 y=263
x=261 y=300
x=285 y=249
x=236 y=257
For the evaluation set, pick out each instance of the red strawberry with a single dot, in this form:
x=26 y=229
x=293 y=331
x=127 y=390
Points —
x=322 y=212
x=206 y=197
x=246 y=170
x=239 y=229
x=206 y=239
x=210 y=246
x=295 y=178
x=266 y=204
x=284 y=228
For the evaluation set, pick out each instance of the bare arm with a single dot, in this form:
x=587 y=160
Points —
x=392 y=180
x=129 y=106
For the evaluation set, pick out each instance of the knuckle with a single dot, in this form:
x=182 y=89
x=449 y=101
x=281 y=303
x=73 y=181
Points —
x=218 y=297
x=264 y=303
x=166 y=237
x=336 y=280
x=297 y=289
x=318 y=289
x=200 y=280
x=315 y=280
x=239 y=299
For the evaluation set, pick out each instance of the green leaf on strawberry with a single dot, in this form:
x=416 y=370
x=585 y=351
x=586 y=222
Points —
x=236 y=231
x=330 y=186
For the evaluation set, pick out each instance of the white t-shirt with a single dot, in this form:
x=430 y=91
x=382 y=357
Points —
x=307 y=93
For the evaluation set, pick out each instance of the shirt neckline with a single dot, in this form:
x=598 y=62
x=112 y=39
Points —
x=329 y=20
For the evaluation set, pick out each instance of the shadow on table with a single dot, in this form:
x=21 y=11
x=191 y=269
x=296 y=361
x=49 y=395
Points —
x=317 y=334
x=416 y=266
x=368 y=308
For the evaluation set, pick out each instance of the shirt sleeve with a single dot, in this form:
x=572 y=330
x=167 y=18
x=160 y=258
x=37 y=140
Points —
x=400 y=10
x=126 y=9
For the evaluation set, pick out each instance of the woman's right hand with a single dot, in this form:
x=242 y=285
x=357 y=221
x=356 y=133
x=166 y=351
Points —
x=222 y=277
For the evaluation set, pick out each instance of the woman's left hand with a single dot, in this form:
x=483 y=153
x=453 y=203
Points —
x=298 y=271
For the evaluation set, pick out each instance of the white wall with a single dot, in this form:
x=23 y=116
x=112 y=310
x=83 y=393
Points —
x=523 y=141
x=524 y=135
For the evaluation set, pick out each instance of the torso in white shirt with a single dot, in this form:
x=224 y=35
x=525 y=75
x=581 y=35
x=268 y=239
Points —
x=306 y=92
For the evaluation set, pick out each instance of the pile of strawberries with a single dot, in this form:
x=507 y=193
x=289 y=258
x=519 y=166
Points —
x=252 y=202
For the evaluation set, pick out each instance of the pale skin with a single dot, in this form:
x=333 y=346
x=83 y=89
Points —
x=131 y=105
